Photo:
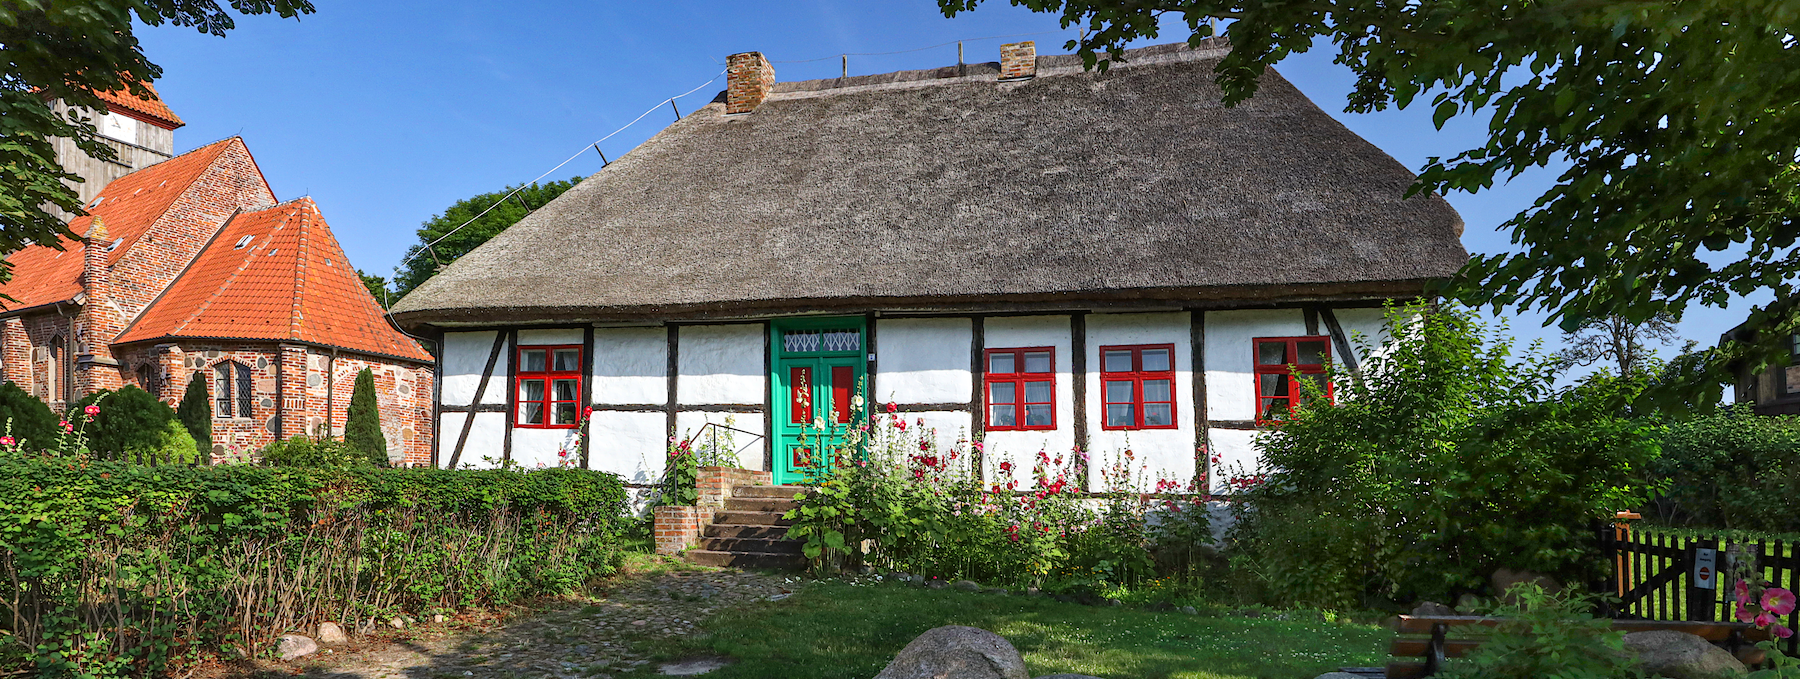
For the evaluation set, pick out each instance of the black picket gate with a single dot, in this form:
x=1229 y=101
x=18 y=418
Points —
x=1661 y=576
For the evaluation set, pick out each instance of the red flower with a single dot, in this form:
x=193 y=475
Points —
x=91 y=410
x=893 y=407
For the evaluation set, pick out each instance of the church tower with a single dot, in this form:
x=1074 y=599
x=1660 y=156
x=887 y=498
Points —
x=141 y=132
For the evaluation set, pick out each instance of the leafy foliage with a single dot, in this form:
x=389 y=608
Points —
x=28 y=420
x=679 y=485
x=424 y=260
x=69 y=51
x=117 y=570
x=1732 y=469
x=322 y=453
x=130 y=421
x=195 y=412
x=1548 y=635
x=362 y=422
x=1441 y=462
x=1674 y=117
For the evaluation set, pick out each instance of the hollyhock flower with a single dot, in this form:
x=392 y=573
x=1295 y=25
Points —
x=91 y=410
x=893 y=407
x=68 y=427
x=1778 y=601
x=1781 y=632
x=1744 y=614
x=1743 y=590
x=1766 y=620
x=900 y=424
x=924 y=445
x=6 y=440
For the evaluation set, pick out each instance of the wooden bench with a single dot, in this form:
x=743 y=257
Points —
x=1427 y=638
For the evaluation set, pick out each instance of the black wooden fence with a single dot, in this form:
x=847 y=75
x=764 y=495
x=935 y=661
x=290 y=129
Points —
x=1662 y=576
x=152 y=458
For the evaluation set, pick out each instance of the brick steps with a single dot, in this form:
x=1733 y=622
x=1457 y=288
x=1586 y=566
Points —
x=750 y=531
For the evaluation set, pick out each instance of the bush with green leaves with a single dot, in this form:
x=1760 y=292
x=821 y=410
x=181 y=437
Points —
x=195 y=412
x=123 y=570
x=320 y=453
x=1547 y=634
x=1731 y=469
x=30 y=423
x=1445 y=458
x=362 y=422
x=129 y=421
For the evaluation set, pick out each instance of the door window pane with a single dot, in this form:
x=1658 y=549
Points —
x=566 y=390
x=1120 y=415
x=1157 y=415
x=801 y=456
x=1037 y=415
x=1002 y=392
x=800 y=395
x=1312 y=353
x=1156 y=360
x=1272 y=353
x=1000 y=362
x=1117 y=361
x=1156 y=390
x=1119 y=391
x=843 y=380
x=531 y=412
x=531 y=361
x=568 y=360
x=1037 y=361
x=1037 y=392
x=1002 y=415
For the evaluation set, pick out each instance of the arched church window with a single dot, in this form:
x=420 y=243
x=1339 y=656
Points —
x=231 y=386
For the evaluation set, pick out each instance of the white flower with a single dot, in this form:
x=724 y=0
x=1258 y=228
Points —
x=818 y=423
x=856 y=401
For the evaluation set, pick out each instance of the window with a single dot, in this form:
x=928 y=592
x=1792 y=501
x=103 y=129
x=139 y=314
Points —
x=1021 y=389
x=549 y=388
x=1278 y=389
x=1137 y=386
x=146 y=377
x=231 y=387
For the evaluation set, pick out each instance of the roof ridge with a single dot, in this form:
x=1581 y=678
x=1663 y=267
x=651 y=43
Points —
x=249 y=258
x=1049 y=64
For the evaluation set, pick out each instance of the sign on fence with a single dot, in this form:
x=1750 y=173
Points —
x=1706 y=573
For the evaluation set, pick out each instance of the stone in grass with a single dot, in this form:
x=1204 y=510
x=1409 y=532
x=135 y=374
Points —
x=331 y=634
x=967 y=585
x=1431 y=609
x=397 y=622
x=293 y=646
x=1190 y=610
x=1679 y=655
x=691 y=666
x=957 y=651
x=937 y=584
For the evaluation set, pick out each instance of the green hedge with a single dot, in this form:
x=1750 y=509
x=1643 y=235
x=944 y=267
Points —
x=109 y=569
x=1732 y=469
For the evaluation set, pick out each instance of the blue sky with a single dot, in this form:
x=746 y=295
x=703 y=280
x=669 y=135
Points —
x=387 y=112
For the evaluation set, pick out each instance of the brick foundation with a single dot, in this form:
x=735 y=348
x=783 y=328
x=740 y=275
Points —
x=677 y=528
x=716 y=483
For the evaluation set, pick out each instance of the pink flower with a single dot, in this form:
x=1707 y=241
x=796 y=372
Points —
x=1743 y=590
x=1766 y=620
x=91 y=410
x=1744 y=614
x=924 y=445
x=6 y=440
x=68 y=427
x=1781 y=632
x=1778 y=601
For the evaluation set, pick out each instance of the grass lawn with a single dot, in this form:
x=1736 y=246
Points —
x=835 y=629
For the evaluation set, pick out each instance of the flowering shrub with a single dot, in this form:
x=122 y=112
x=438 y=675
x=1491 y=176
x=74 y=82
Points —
x=1760 y=603
x=896 y=498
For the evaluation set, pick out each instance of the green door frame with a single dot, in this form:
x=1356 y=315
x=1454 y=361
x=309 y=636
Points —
x=799 y=446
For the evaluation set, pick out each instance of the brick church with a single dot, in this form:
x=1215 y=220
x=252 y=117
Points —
x=187 y=267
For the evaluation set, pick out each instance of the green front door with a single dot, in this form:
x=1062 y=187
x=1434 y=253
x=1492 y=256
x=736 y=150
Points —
x=818 y=367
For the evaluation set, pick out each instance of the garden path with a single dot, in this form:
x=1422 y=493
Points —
x=604 y=637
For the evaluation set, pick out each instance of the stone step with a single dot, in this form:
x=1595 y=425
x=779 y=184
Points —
x=763 y=560
x=714 y=530
x=751 y=518
x=767 y=491
x=759 y=504
x=765 y=545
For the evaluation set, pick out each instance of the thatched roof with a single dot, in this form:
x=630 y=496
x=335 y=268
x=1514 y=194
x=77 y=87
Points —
x=930 y=189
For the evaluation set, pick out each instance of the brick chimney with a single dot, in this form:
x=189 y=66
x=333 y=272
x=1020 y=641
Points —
x=95 y=368
x=748 y=79
x=1018 y=60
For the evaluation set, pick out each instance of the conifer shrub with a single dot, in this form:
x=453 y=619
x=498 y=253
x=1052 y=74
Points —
x=30 y=422
x=130 y=421
x=195 y=412
x=362 y=423
x=134 y=570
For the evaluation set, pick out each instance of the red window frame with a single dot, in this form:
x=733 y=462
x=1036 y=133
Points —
x=549 y=376
x=1137 y=376
x=1017 y=379
x=1294 y=392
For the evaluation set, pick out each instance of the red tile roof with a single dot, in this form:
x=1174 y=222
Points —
x=152 y=109
x=130 y=205
x=274 y=274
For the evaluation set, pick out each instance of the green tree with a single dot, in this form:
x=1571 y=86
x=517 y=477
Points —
x=378 y=288
x=69 y=51
x=362 y=424
x=1615 y=339
x=25 y=418
x=1676 y=119
x=195 y=412
x=424 y=259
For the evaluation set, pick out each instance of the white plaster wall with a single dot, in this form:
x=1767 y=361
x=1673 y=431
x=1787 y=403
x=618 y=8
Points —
x=465 y=355
x=923 y=360
x=1236 y=451
x=1159 y=452
x=1364 y=326
x=551 y=336
x=631 y=366
x=1231 y=359
x=534 y=448
x=749 y=446
x=721 y=364
x=1021 y=447
x=487 y=438
x=628 y=444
